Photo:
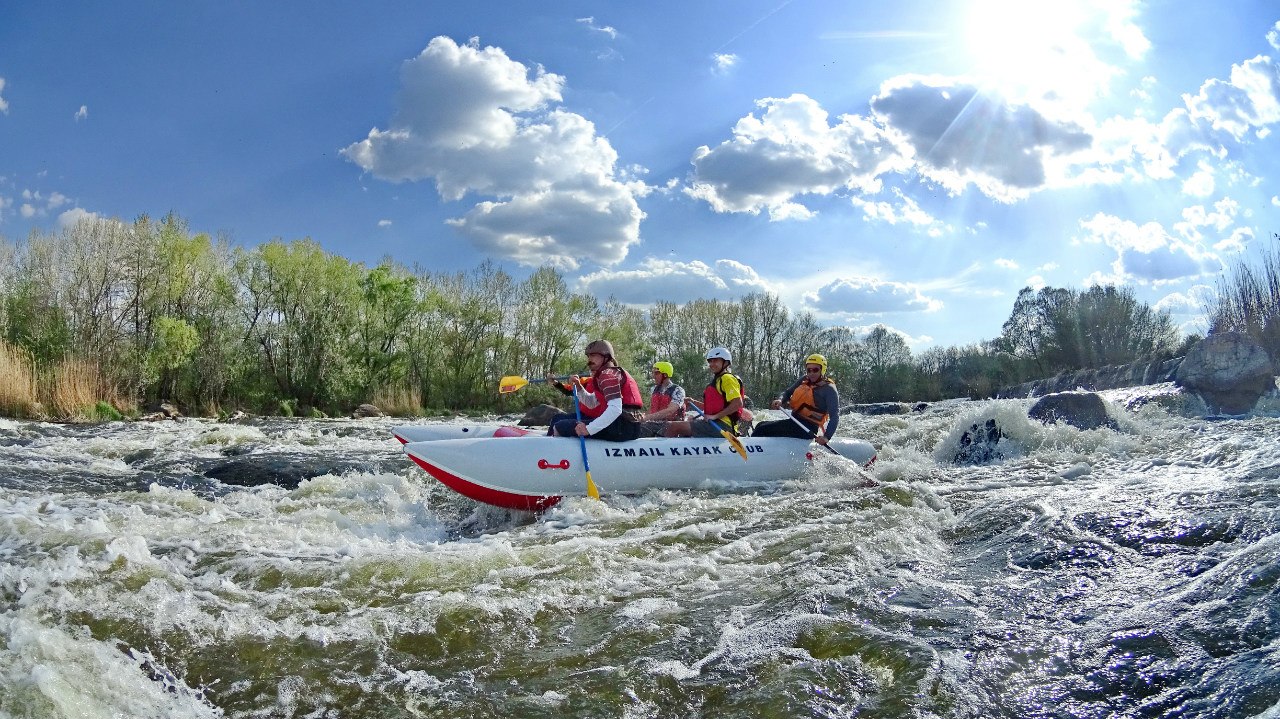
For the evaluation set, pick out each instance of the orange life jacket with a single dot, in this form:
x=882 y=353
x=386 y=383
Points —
x=803 y=404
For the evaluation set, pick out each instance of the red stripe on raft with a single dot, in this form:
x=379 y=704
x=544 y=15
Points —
x=497 y=498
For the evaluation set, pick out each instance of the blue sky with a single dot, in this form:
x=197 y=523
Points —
x=912 y=164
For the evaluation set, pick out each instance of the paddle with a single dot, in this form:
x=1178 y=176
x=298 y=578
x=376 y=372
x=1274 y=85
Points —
x=737 y=443
x=800 y=424
x=592 y=492
x=513 y=383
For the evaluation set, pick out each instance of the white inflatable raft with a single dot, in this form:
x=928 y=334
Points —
x=533 y=472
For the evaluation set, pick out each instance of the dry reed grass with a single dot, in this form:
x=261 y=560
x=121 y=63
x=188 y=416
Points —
x=398 y=401
x=74 y=387
x=19 y=390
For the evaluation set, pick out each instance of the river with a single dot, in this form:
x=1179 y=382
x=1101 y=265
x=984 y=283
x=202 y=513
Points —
x=1132 y=572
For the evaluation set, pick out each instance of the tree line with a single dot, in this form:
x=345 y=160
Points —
x=153 y=312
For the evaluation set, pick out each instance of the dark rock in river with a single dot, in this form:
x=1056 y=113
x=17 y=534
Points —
x=877 y=408
x=1096 y=380
x=283 y=470
x=539 y=416
x=1230 y=371
x=978 y=445
x=1083 y=410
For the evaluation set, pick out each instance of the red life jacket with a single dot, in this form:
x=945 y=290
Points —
x=631 y=399
x=589 y=413
x=713 y=399
x=661 y=399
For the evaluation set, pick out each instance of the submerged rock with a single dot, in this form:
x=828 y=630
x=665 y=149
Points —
x=283 y=470
x=978 y=444
x=878 y=408
x=1083 y=410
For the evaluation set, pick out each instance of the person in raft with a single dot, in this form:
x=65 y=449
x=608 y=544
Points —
x=611 y=408
x=813 y=400
x=666 y=404
x=566 y=388
x=721 y=401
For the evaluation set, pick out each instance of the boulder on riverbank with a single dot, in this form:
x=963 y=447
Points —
x=366 y=410
x=539 y=416
x=1230 y=371
x=1096 y=380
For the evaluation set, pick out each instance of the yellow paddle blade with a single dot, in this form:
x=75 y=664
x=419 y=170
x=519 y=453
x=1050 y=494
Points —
x=511 y=383
x=737 y=444
x=592 y=492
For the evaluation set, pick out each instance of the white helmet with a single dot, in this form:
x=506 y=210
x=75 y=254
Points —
x=720 y=353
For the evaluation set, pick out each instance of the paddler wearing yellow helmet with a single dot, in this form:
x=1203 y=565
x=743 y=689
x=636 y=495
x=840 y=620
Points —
x=812 y=400
x=667 y=402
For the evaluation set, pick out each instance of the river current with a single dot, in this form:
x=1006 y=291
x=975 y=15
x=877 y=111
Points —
x=1128 y=572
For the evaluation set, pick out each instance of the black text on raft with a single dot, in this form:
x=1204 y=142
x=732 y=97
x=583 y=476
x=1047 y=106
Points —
x=674 y=451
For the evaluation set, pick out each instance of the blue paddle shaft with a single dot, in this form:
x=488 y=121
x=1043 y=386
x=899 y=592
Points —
x=582 y=441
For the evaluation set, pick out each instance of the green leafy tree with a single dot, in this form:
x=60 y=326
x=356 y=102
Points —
x=299 y=311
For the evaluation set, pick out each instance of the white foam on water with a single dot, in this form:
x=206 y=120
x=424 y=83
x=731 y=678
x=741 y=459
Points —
x=711 y=579
x=62 y=671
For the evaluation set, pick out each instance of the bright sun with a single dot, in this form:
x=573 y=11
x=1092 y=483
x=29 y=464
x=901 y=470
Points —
x=1035 y=49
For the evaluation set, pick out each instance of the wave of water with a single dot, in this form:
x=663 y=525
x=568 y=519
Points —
x=1104 y=573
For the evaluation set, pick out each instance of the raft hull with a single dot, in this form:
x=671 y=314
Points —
x=429 y=432
x=534 y=472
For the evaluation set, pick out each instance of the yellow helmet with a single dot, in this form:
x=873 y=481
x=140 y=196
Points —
x=818 y=360
x=665 y=368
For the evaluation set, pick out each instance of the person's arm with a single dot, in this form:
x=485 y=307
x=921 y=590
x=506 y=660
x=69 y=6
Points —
x=785 y=398
x=830 y=400
x=612 y=411
x=733 y=406
x=672 y=409
x=563 y=387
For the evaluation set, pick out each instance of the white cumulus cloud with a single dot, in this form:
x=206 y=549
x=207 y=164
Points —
x=82 y=113
x=1249 y=100
x=1147 y=254
x=4 y=105
x=959 y=135
x=71 y=217
x=678 y=282
x=1201 y=183
x=868 y=295
x=559 y=197
x=723 y=62
x=789 y=150
x=904 y=210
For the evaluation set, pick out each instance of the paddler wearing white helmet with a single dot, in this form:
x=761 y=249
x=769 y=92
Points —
x=721 y=401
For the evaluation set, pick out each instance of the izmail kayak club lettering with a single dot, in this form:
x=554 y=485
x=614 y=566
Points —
x=674 y=451
x=654 y=452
